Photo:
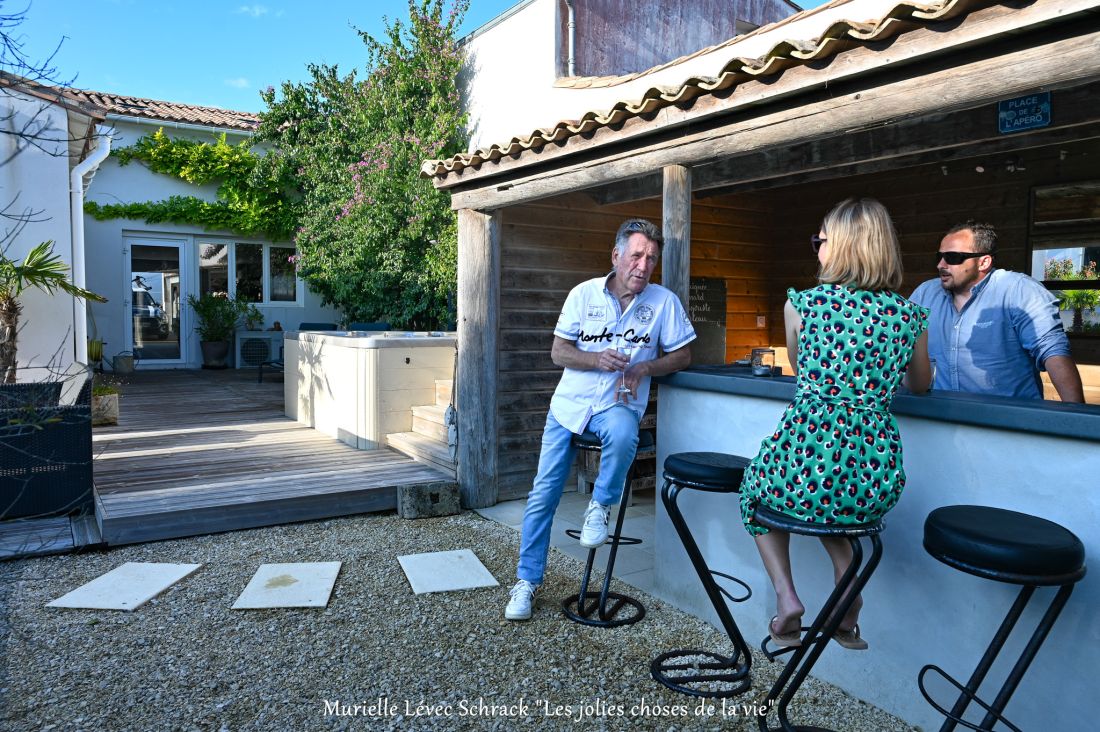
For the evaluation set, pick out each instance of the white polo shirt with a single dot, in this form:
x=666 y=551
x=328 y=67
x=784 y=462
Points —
x=593 y=319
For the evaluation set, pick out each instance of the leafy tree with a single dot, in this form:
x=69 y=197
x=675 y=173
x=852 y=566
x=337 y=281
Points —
x=374 y=239
x=1076 y=300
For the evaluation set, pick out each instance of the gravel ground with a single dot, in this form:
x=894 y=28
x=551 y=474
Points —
x=185 y=661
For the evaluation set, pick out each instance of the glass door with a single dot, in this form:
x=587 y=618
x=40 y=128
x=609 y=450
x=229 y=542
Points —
x=155 y=301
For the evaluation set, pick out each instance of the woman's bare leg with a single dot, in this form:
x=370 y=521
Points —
x=840 y=552
x=774 y=548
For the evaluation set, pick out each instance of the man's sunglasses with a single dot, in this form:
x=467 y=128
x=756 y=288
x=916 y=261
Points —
x=816 y=242
x=957 y=257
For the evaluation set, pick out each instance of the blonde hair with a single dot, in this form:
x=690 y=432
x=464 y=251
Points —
x=863 y=246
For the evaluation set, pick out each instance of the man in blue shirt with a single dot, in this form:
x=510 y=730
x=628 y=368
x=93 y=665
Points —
x=991 y=331
x=613 y=330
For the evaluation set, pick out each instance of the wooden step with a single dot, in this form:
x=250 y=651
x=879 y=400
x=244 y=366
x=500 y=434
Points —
x=443 y=391
x=423 y=449
x=428 y=421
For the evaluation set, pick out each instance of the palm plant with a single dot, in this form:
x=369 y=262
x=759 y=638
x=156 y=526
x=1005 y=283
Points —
x=42 y=269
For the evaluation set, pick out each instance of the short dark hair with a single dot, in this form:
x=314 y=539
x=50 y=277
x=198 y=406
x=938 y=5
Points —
x=985 y=236
x=637 y=226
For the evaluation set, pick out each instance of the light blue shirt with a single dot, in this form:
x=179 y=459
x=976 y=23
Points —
x=594 y=319
x=1000 y=340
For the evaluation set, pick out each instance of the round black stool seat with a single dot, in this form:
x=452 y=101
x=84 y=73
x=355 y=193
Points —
x=709 y=471
x=1003 y=545
x=790 y=524
x=590 y=441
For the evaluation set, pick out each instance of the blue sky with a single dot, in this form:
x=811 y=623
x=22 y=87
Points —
x=219 y=53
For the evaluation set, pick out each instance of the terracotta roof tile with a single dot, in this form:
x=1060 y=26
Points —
x=839 y=35
x=155 y=109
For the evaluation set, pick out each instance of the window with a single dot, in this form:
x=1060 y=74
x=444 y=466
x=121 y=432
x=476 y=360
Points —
x=262 y=273
x=1065 y=248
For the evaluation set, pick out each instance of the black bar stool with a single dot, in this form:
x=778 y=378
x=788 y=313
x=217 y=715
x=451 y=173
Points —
x=1011 y=547
x=623 y=610
x=698 y=672
x=819 y=634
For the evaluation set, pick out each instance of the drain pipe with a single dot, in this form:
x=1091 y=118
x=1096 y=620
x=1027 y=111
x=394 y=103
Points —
x=572 y=30
x=76 y=203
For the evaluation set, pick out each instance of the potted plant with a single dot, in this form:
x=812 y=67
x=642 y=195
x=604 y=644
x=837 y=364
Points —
x=253 y=318
x=1076 y=300
x=216 y=318
x=104 y=404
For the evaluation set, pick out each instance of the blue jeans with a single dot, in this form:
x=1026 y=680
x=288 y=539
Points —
x=617 y=429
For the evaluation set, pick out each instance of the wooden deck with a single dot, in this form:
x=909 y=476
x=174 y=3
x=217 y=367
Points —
x=197 y=452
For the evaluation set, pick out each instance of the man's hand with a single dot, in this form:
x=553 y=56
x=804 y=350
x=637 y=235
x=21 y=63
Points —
x=611 y=360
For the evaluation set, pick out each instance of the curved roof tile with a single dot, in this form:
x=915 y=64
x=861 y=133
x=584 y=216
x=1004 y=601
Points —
x=839 y=35
x=155 y=109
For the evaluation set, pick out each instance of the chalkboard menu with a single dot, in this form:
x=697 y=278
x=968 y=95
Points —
x=707 y=308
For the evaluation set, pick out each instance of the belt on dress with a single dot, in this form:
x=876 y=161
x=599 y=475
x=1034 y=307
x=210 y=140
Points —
x=841 y=402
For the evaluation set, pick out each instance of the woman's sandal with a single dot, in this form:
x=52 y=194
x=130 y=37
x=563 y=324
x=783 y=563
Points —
x=850 y=639
x=790 y=639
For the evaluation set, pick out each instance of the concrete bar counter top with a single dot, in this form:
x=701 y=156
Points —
x=1041 y=458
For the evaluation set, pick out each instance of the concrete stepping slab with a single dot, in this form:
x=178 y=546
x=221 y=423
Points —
x=445 y=571
x=126 y=587
x=296 y=584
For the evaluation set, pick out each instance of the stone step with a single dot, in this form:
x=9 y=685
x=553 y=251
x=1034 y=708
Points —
x=423 y=449
x=443 y=391
x=428 y=421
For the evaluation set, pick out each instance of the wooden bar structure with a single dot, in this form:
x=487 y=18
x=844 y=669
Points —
x=741 y=167
x=198 y=452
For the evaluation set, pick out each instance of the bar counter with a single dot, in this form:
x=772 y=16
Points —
x=1036 y=457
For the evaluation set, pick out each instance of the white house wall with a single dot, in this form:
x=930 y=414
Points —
x=36 y=182
x=108 y=267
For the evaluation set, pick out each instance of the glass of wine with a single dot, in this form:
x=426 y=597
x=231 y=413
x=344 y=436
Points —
x=626 y=348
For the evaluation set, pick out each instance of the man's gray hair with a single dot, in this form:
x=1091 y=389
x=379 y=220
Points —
x=985 y=236
x=637 y=226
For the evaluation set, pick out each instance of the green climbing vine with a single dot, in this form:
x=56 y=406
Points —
x=252 y=200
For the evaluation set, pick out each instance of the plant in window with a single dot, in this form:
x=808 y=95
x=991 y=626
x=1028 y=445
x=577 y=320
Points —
x=253 y=318
x=1076 y=300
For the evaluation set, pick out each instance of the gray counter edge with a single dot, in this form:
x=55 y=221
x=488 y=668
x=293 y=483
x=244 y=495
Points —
x=1077 y=421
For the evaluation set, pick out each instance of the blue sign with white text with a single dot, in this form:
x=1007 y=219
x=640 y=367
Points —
x=1023 y=113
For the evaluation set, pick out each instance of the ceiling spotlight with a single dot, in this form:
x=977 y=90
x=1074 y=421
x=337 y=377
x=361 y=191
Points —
x=979 y=168
x=944 y=169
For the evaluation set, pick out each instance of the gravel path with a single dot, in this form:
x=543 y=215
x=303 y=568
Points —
x=185 y=661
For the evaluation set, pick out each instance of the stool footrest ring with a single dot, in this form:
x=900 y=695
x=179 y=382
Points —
x=972 y=696
x=729 y=596
x=623 y=540
x=676 y=671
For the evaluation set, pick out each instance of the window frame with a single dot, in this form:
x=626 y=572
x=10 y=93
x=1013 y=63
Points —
x=265 y=276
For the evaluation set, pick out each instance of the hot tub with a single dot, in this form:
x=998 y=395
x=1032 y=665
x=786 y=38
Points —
x=359 y=386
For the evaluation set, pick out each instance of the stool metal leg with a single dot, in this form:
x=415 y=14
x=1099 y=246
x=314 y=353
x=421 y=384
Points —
x=969 y=693
x=674 y=669
x=577 y=608
x=818 y=636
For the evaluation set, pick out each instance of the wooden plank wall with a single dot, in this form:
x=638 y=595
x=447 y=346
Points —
x=924 y=203
x=549 y=247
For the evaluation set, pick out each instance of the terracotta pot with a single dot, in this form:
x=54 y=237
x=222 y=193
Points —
x=214 y=354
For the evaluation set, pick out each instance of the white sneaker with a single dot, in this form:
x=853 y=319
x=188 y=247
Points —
x=523 y=598
x=594 y=530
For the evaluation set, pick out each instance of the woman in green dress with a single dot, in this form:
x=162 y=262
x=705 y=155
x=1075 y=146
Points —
x=835 y=456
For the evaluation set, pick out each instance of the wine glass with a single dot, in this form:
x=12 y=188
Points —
x=626 y=348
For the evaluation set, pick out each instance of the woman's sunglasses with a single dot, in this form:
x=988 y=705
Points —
x=957 y=257
x=816 y=242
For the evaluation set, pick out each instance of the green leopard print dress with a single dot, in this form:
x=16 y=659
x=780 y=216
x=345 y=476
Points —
x=836 y=455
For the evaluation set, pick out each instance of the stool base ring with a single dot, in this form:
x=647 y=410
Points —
x=608 y=616
x=718 y=670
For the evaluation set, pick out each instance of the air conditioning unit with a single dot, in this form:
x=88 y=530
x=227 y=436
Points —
x=253 y=348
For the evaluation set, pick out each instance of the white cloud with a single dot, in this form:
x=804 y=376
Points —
x=255 y=10
x=239 y=83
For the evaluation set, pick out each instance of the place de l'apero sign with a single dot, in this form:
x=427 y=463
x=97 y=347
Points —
x=1023 y=113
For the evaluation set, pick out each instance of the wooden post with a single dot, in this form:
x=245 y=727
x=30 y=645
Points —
x=676 y=256
x=478 y=356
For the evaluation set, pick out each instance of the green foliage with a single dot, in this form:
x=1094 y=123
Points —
x=374 y=238
x=1076 y=300
x=216 y=315
x=249 y=203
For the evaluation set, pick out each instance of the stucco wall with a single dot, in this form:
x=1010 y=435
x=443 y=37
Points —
x=108 y=266
x=35 y=183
